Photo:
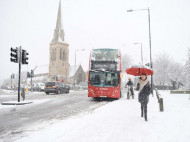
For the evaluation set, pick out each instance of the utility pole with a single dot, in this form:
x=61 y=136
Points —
x=151 y=65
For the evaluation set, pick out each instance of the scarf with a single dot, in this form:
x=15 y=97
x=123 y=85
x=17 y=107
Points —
x=142 y=83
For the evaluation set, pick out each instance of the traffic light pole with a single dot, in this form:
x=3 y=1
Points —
x=19 y=62
x=31 y=84
x=19 y=82
x=18 y=56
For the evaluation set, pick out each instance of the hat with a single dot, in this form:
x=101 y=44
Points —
x=144 y=74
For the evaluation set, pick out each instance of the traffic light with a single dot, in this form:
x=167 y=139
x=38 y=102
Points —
x=24 y=57
x=148 y=64
x=32 y=73
x=28 y=75
x=14 y=55
x=12 y=76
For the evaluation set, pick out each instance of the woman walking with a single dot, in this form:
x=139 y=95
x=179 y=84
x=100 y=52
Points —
x=144 y=89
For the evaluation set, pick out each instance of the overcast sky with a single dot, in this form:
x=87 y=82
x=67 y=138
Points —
x=93 y=24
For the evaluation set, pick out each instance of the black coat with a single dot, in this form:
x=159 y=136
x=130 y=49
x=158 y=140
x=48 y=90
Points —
x=129 y=83
x=144 y=93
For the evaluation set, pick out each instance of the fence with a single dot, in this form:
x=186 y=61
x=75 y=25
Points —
x=160 y=100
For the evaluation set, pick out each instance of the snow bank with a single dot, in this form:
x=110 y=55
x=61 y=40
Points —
x=7 y=91
x=120 y=121
x=34 y=102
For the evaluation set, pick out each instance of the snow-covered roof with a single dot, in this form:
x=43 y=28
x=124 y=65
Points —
x=42 y=69
x=72 y=70
x=38 y=78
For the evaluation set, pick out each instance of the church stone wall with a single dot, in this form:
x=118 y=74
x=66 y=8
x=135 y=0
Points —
x=58 y=61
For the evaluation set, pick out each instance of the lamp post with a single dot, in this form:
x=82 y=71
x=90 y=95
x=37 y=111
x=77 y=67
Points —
x=141 y=52
x=75 y=60
x=148 y=10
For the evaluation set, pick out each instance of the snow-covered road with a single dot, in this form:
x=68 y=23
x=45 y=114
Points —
x=120 y=121
x=45 y=109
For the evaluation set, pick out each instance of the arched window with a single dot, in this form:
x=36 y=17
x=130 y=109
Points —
x=52 y=54
x=55 y=54
x=61 y=56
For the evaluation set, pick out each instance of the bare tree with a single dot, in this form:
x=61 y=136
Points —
x=161 y=69
x=168 y=71
x=187 y=69
x=176 y=74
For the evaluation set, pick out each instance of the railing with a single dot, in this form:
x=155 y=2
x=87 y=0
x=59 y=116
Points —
x=160 y=100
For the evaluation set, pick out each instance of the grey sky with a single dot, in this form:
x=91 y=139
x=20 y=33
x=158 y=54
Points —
x=92 y=24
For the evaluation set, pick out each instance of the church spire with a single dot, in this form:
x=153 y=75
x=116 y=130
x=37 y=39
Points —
x=58 y=32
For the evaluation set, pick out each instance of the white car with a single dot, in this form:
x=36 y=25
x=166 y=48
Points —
x=40 y=86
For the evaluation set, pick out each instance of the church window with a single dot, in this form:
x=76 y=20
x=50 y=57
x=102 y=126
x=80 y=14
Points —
x=52 y=54
x=55 y=54
x=61 y=56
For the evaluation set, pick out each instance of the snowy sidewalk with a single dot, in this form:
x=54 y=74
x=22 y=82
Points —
x=120 y=121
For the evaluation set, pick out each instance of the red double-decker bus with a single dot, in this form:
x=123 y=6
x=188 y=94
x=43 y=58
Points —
x=104 y=73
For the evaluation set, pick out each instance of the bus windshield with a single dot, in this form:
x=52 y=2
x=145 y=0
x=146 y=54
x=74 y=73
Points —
x=104 y=79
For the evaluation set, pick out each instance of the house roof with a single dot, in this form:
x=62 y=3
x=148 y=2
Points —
x=72 y=70
x=42 y=69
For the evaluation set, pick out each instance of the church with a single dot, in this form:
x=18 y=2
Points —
x=59 y=52
x=58 y=68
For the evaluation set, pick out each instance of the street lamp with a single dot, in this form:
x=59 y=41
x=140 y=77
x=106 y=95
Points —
x=141 y=52
x=75 y=55
x=75 y=60
x=148 y=10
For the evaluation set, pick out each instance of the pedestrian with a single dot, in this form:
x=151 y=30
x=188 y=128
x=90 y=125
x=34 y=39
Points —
x=144 y=89
x=130 y=85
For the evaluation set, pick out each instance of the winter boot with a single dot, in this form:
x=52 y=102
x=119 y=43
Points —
x=145 y=117
x=145 y=113
x=141 y=111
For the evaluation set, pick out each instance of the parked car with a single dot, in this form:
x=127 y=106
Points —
x=34 y=87
x=40 y=87
x=67 y=88
x=55 y=87
x=28 y=87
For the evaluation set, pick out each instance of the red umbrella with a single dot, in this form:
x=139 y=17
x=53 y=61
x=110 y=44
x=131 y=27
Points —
x=138 y=70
